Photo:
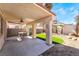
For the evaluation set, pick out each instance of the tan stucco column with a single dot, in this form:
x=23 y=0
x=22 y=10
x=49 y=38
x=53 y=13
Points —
x=28 y=32
x=49 y=31
x=33 y=30
x=43 y=27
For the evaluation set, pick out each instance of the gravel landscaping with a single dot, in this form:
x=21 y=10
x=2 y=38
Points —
x=69 y=48
x=61 y=50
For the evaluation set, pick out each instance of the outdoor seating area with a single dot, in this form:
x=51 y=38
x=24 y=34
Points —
x=17 y=24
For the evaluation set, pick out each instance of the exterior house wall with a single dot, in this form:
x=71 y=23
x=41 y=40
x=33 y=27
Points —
x=1 y=41
x=3 y=33
x=68 y=28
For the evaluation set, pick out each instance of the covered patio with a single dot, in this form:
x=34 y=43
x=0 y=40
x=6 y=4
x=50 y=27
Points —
x=28 y=14
x=28 y=47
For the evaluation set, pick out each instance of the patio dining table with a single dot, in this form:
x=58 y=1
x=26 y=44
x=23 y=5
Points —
x=20 y=36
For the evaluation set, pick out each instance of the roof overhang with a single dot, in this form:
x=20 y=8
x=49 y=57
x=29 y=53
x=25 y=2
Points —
x=13 y=12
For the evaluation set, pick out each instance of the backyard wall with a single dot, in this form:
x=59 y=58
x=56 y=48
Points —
x=68 y=28
x=11 y=32
x=54 y=29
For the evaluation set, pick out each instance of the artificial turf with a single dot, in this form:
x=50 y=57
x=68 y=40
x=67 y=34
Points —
x=55 y=39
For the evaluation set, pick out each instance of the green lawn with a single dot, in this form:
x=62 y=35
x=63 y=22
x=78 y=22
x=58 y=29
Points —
x=55 y=39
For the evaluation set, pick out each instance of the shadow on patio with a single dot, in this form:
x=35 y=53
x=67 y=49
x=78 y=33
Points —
x=61 y=50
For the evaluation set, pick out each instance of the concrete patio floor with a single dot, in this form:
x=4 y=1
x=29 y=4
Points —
x=27 y=47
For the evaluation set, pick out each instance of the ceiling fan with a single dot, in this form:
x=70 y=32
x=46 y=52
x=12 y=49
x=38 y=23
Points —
x=21 y=21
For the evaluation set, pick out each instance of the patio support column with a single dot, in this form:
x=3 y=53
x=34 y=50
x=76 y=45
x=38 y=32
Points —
x=28 y=33
x=43 y=27
x=33 y=30
x=49 y=32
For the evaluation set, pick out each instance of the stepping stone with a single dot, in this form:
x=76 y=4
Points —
x=74 y=38
x=78 y=38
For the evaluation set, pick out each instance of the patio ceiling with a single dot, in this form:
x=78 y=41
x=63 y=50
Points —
x=14 y=12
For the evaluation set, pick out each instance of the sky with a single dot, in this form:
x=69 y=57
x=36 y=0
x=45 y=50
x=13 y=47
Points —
x=65 y=12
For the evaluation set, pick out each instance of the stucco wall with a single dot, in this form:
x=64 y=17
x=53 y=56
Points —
x=13 y=32
x=1 y=41
x=68 y=28
x=54 y=29
x=3 y=34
